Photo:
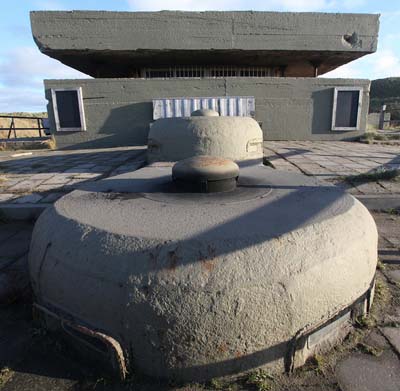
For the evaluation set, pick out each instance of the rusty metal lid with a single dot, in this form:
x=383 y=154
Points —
x=205 y=174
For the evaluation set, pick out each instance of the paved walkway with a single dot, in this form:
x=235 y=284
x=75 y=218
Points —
x=44 y=176
x=41 y=177
x=332 y=161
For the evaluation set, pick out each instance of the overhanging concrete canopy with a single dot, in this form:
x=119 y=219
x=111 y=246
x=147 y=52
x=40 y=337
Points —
x=117 y=44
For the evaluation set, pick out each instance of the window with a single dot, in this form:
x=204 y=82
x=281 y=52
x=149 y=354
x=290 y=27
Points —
x=346 y=108
x=68 y=109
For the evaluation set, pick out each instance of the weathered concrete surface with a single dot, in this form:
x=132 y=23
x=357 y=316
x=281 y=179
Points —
x=192 y=285
x=119 y=111
x=235 y=138
x=115 y=44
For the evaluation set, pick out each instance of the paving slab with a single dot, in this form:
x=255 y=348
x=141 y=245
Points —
x=393 y=187
x=394 y=275
x=371 y=188
x=389 y=255
x=327 y=160
x=392 y=318
x=376 y=340
x=28 y=199
x=361 y=372
x=7 y=197
x=9 y=230
x=52 y=197
x=14 y=281
x=378 y=202
x=21 y=212
x=16 y=245
x=393 y=336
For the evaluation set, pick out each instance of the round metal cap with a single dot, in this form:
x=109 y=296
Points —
x=205 y=174
x=205 y=113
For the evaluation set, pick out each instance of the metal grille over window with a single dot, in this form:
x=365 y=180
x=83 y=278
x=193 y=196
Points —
x=210 y=72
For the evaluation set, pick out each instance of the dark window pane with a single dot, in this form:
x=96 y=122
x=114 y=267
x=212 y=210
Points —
x=347 y=109
x=68 y=109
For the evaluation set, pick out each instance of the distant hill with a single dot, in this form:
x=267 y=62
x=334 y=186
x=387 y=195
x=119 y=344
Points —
x=386 y=92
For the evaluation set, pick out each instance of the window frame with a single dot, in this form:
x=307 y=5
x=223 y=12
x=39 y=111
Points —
x=82 y=128
x=336 y=91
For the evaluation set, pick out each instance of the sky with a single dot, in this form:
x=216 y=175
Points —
x=23 y=67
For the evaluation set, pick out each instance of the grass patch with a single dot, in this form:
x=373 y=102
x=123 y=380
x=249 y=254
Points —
x=51 y=143
x=217 y=384
x=267 y=163
x=380 y=265
x=381 y=291
x=318 y=363
x=368 y=349
x=365 y=322
x=5 y=375
x=392 y=211
x=374 y=176
x=261 y=379
x=370 y=137
x=221 y=385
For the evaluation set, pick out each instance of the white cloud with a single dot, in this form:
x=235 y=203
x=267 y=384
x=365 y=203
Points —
x=387 y=63
x=22 y=71
x=383 y=63
x=20 y=99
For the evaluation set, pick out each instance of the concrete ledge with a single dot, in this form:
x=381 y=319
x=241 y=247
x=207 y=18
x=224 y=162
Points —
x=25 y=212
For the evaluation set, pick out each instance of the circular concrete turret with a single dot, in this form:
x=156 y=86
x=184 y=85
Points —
x=191 y=286
x=236 y=138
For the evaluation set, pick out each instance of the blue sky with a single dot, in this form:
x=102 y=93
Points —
x=23 y=67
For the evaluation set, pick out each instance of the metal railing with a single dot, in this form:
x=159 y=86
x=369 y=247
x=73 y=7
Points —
x=13 y=129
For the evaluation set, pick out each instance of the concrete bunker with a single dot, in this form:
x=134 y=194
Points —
x=272 y=57
x=185 y=283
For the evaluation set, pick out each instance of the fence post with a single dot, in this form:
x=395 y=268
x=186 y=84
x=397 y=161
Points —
x=39 y=127
x=12 y=127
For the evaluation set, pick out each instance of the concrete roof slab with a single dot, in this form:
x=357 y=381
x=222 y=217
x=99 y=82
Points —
x=89 y=40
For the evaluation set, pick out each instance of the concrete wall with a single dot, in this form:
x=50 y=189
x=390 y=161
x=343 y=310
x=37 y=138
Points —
x=119 y=111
